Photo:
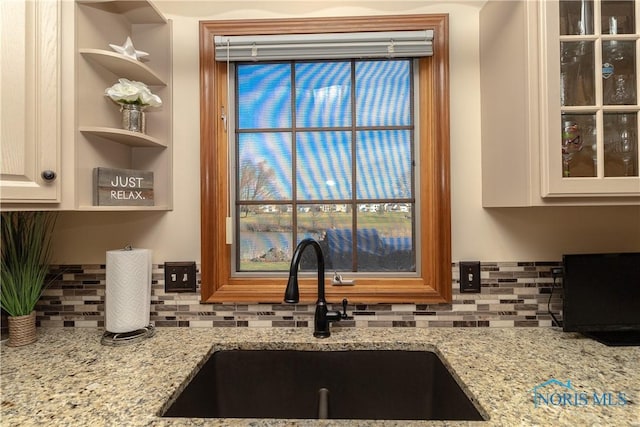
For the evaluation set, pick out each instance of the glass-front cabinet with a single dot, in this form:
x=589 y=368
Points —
x=560 y=106
x=591 y=148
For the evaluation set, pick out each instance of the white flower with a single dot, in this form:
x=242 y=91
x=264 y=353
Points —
x=132 y=92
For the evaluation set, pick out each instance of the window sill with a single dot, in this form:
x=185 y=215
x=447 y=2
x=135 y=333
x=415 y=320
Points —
x=379 y=291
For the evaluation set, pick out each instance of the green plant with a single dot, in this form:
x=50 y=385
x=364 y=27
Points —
x=25 y=255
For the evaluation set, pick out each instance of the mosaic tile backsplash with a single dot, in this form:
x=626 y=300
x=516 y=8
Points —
x=512 y=294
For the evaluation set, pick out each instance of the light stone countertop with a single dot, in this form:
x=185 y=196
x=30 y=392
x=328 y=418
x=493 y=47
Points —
x=67 y=378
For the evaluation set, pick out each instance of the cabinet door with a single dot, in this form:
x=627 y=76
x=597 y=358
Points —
x=29 y=101
x=590 y=117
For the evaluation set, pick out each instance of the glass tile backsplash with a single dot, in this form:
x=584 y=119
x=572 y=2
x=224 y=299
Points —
x=513 y=294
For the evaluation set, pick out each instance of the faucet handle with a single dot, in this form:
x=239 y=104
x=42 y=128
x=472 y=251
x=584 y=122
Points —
x=344 y=308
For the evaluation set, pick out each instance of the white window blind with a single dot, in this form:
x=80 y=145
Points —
x=387 y=44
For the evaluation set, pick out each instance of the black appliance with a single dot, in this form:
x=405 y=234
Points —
x=602 y=297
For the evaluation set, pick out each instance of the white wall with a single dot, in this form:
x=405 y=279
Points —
x=522 y=234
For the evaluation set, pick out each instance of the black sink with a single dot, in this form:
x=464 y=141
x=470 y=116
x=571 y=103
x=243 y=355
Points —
x=361 y=384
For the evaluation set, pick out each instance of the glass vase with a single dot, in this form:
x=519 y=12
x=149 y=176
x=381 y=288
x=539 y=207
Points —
x=133 y=118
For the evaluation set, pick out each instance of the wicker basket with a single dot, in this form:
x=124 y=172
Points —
x=22 y=330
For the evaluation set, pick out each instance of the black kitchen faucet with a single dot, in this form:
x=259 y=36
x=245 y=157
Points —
x=323 y=316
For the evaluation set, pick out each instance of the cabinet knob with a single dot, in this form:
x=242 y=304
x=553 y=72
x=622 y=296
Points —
x=48 y=175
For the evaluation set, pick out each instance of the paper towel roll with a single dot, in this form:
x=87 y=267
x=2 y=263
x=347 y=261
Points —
x=128 y=290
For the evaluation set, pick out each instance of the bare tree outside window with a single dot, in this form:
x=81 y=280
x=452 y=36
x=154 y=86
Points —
x=253 y=183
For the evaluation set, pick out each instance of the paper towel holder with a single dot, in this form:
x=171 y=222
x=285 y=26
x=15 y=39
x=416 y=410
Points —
x=122 y=338
x=138 y=332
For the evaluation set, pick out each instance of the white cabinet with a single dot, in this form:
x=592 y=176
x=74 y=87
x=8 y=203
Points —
x=30 y=103
x=559 y=103
x=100 y=140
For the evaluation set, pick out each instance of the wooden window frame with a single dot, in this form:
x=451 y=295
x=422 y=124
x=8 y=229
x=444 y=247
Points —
x=434 y=282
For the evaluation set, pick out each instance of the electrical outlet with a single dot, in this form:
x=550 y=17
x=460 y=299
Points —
x=470 y=276
x=179 y=276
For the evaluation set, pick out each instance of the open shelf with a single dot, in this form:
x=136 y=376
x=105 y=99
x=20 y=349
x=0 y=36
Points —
x=136 y=11
x=123 y=208
x=100 y=140
x=123 y=66
x=133 y=139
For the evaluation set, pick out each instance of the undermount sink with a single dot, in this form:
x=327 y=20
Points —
x=359 y=384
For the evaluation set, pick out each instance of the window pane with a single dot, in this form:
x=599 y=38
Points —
x=265 y=237
x=323 y=165
x=384 y=240
x=381 y=238
x=318 y=221
x=264 y=96
x=383 y=93
x=383 y=163
x=264 y=166
x=385 y=237
x=323 y=94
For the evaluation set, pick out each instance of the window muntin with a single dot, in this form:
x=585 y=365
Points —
x=338 y=165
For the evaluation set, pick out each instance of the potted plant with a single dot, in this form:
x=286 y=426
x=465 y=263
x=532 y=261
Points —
x=24 y=264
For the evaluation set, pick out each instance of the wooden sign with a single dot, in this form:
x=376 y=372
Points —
x=122 y=187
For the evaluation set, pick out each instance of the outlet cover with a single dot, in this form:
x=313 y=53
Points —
x=180 y=276
x=470 y=276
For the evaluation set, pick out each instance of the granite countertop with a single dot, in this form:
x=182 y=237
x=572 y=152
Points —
x=68 y=378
